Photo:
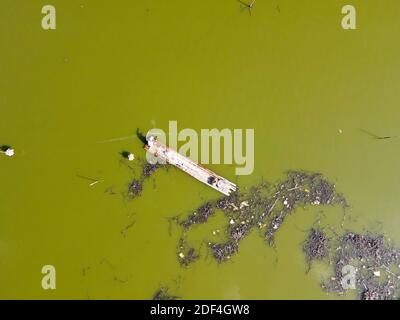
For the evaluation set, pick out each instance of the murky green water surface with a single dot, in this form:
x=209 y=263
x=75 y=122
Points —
x=289 y=71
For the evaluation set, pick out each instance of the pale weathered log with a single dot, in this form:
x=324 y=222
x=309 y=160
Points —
x=189 y=166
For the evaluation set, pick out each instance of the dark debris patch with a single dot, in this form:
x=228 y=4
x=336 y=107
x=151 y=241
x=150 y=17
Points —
x=149 y=169
x=238 y=232
x=135 y=187
x=302 y=189
x=163 y=294
x=188 y=257
x=376 y=263
x=316 y=246
x=264 y=207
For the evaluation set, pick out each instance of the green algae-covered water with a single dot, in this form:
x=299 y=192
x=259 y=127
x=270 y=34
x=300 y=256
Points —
x=288 y=70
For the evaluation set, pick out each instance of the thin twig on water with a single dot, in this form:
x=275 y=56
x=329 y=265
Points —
x=375 y=136
x=248 y=6
x=93 y=181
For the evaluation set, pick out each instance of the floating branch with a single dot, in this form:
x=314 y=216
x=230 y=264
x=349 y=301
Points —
x=93 y=181
x=373 y=135
x=187 y=165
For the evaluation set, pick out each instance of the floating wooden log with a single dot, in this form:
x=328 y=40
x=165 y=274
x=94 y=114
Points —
x=189 y=166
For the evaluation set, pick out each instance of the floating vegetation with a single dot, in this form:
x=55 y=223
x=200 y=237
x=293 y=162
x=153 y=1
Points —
x=366 y=263
x=264 y=207
x=201 y=215
x=186 y=255
x=135 y=187
x=110 y=191
x=162 y=294
x=315 y=247
x=149 y=169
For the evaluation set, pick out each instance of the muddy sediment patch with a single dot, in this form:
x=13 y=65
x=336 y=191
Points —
x=148 y=169
x=186 y=254
x=135 y=188
x=199 y=216
x=316 y=246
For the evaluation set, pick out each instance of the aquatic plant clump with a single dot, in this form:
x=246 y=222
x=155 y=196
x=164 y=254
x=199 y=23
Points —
x=201 y=215
x=163 y=294
x=365 y=263
x=264 y=207
x=299 y=190
x=316 y=246
x=149 y=169
x=186 y=255
x=376 y=263
x=224 y=251
x=135 y=187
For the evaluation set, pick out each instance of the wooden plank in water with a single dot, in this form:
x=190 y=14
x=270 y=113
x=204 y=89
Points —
x=189 y=166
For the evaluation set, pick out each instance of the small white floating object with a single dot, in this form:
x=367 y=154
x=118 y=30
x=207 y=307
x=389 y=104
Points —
x=377 y=273
x=181 y=255
x=244 y=204
x=94 y=183
x=131 y=157
x=9 y=152
x=286 y=203
x=340 y=131
x=232 y=221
